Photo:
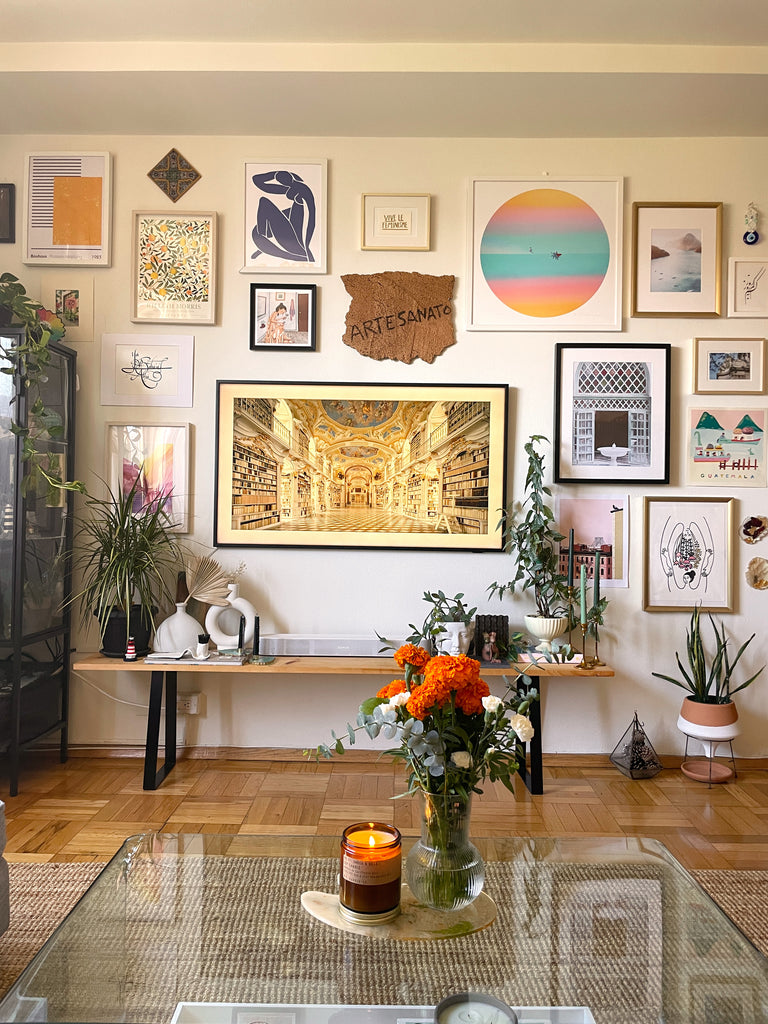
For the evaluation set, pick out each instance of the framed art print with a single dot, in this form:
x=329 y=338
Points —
x=7 y=212
x=600 y=523
x=747 y=287
x=147 y=369
x=729 y=366
x=396 y=222
x=285 y=217
x=676 y=250
x=612 y=413
x=70 y=297
x=174 y=268
x=545 y=255
x=67 y=209
x=688 y=554
x=283 y=316
x=160 y=453
x=726 y=447
x=419 y=466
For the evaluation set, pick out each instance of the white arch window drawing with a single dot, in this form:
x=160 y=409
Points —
x=611 y=413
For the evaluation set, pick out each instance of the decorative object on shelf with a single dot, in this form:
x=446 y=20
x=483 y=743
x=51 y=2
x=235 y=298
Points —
x=174 y=175
x=447 y=628
x=634 y=755
x=283 y=317
x=285 y=217
x=747 y=286
x=754 y=529
x=232 y=612
x=394 y=221
x=369 y=873
x=757 y=573
x=126 y=556
x=7 y=212
x=545 y=630
x=401 y=315
x=452 y=733
x=179 y=632
x=751 y=236
x=174 y=268
x=677 y=254
x=492 y=642
x=729 y=366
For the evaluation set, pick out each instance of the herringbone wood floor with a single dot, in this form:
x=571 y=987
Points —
x=84 y=809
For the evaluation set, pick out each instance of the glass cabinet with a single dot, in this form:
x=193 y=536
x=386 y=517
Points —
x=35 y=542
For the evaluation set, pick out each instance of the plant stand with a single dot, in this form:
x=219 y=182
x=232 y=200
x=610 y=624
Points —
x=707 y=769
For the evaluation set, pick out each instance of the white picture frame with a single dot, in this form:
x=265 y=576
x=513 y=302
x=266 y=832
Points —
x=67 y=209
x=747 y=287
x=395 y=221
x=285 y=221
x=161 y=452
x=147 y=369
x=70 y=297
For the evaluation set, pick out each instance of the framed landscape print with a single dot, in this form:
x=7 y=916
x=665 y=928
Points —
x=729 y=366
x=397 y=222
x=545 y=254
x=174 y=268
x=677 y=250
x=612 y=413
x=688 y=554
x=283 y=316
x=70 y=297
x=360 y=465
x=726 y=447
x=285 y=217
x=747 y=287
x=147 y=369
x=160 y=453
x=67 y=209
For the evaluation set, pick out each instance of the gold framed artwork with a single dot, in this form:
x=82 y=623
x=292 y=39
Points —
x=395 y=221
x=729 y=366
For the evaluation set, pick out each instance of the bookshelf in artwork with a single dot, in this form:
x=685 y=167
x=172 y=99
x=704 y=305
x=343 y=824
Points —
x=465 y=490
x=254 y=488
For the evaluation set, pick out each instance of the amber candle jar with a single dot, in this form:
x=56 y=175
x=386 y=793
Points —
x=369 y=875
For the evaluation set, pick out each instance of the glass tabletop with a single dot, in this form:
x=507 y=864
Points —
x=204 y=929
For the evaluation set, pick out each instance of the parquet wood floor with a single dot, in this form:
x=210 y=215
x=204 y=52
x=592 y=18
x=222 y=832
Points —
x=84 y=809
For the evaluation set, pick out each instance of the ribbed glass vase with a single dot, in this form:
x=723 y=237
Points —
x=444 y=870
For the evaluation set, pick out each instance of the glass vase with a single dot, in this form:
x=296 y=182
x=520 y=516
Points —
x=444 y=870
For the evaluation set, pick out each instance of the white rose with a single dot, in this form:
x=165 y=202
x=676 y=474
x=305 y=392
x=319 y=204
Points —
x=398 y=700
x=522 y=727
x=492 y=703
x=462 y=759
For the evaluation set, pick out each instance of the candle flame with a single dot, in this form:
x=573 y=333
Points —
x=371 y=841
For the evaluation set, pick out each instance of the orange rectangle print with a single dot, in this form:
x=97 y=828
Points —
x=77 y=211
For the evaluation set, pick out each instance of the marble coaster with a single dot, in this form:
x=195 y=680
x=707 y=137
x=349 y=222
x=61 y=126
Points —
x=415 y=921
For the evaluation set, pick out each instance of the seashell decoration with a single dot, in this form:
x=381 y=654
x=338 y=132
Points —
x=754 y=528
x=757 y=573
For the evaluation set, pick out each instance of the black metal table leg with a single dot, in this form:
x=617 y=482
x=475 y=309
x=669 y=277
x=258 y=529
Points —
x=531 y=769
x=153 y=775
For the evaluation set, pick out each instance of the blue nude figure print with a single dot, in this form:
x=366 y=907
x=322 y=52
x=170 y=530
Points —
x=284 y=231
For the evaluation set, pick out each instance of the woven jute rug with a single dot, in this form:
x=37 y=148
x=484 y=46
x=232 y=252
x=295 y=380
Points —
x=231 y=929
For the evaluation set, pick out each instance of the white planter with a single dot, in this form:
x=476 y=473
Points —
x=455 y=638
x=546 y=630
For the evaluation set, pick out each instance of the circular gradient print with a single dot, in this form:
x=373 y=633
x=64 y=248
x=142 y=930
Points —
x=544 y=252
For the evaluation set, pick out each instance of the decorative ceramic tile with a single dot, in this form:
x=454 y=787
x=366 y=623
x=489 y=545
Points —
x=174 y=175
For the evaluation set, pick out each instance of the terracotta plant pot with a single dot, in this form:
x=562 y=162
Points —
x=708 y=716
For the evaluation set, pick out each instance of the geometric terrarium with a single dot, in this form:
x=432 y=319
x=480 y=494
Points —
x=634 y=754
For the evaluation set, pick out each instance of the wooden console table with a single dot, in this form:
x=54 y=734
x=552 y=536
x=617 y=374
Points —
x=163 y=677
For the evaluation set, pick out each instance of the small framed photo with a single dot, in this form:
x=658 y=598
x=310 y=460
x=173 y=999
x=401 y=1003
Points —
x=160 y=452
x=70 y=297
x=147 y=369
x=396 y=221
x=174 y=268
x=67 y=209
x=729 y=366
x=688 y=554
x=7 y=212
x=612 y=413
x=676 y=249
x=747 y=287
x=283 y=316
x=285 y=229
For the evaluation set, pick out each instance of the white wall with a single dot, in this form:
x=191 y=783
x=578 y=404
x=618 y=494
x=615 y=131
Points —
x=357 y=591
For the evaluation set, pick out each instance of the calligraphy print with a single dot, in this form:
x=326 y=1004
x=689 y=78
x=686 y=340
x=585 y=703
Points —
x=146 y=370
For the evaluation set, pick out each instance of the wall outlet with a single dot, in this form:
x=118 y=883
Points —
x=188 y=703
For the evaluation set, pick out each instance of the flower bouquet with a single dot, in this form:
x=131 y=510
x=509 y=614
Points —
x=453 y=734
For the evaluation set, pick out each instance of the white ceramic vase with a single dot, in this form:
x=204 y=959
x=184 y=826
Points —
x=546 y=630
x=454 y=639
x=223 y=622
x=177 y=632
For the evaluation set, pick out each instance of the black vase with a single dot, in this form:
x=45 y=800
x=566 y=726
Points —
x=114 y=639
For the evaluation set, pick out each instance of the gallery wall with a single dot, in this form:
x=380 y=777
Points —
x=350 y=591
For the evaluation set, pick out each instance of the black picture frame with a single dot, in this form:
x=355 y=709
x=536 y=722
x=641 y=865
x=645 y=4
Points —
x=349 y=465
x=7 y=212
x=612 y=413
x=283 y=317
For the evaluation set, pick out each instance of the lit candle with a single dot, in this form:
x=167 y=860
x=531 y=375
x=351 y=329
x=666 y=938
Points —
x=583 y=594
x=369 y=879
x=597 y=577
x=570 y=559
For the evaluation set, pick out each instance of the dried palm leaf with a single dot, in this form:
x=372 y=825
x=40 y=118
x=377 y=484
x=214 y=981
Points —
x=207 y=582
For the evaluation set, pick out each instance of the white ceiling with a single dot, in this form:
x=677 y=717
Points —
x=495 y=68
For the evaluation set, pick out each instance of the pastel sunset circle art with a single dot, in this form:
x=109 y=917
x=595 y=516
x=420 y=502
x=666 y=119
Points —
x=544 y=252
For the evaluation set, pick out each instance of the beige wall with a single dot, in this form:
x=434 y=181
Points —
x=356 y=591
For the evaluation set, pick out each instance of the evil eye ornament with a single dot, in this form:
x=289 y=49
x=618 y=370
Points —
x=750 y=237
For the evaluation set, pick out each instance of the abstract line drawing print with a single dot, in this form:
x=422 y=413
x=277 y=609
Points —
x=686 y=554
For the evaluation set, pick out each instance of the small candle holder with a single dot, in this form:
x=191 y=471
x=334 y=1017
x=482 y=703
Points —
x=586 y=662
x=370 y=873
x=596 y=660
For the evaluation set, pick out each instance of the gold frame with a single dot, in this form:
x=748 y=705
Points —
x=713 y=268
x=701 y=349
x=420 y=201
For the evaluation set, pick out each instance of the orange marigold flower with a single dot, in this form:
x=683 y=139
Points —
x=469 y=698
x=453 y=671
x=410 y=654
x=396 y=686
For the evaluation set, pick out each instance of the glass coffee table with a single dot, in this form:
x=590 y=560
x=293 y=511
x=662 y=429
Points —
x=203 y=929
